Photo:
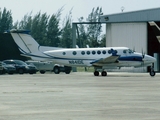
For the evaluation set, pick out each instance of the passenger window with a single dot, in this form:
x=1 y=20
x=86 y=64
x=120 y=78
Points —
x=88 y=52
x=74 y=52
x=98 y=52
x=104 y=52
x=109 y=51
x=93 y=52
x=82 y=52
x=64 y=53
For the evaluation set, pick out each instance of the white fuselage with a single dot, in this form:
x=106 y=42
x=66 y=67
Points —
x=84 y=56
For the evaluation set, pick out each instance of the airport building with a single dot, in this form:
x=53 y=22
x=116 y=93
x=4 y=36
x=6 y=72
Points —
x=132 y=29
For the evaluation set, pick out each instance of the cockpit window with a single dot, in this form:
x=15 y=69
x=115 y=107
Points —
x=124 y=51
x=128 y=51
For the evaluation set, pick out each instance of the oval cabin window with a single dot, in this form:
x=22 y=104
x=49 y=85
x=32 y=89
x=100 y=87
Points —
x=74 y=52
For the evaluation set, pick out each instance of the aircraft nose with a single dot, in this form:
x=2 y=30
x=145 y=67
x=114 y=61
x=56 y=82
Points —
x=149 y=59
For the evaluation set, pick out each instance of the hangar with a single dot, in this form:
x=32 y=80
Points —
x=131 y=29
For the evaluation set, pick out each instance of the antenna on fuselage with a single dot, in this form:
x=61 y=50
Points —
x=77 y=46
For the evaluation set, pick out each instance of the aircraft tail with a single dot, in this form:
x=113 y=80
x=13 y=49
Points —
x=156 y=29
x=29 y=47
x=26 y=43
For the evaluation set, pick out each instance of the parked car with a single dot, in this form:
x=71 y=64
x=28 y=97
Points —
x=22 y=67
x=7 y=68
x=44 y=66
x=1 y=68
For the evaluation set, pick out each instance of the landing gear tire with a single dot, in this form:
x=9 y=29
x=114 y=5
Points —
x=152 y=73
x=56 y=70
x=96 y=73
x=104 y=73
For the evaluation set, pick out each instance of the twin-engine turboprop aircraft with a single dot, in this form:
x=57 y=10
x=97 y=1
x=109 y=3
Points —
x=99 y=58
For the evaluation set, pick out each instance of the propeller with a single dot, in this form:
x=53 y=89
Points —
x=143 y=55
x=134 y=49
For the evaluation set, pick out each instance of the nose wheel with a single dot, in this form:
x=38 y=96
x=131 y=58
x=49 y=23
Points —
x=152 y=72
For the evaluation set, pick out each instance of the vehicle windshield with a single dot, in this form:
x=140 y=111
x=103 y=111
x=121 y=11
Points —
x=4 y=63
x=20 y=62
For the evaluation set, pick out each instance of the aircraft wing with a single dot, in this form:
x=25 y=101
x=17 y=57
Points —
x=110 y=59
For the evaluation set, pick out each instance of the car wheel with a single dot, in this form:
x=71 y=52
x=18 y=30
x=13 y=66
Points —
x=1 y=72
x=42 y=71
x=11 y=73
x=56 y=70
x=68 y=71
x=20 y=71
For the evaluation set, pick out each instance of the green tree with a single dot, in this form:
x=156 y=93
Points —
x=82 y=34
x=66 y=36
x=25 y=23
x=54 y=31
x=5 y=20
x=44 y=29
x=90 y=33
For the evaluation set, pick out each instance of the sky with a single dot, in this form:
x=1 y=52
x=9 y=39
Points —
x=80 y=8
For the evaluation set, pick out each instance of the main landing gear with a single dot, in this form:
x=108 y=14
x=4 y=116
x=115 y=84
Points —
x=103 y=73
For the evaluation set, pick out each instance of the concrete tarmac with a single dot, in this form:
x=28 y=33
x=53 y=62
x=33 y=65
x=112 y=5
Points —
x=80 y=96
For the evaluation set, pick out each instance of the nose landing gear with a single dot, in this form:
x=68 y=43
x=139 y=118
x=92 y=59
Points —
x=152 y=72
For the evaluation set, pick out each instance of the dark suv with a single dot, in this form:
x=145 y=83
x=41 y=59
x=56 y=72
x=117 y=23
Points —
x=1 y=68
x=22 y=67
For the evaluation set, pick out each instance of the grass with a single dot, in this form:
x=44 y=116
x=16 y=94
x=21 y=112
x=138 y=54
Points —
x=85 y=69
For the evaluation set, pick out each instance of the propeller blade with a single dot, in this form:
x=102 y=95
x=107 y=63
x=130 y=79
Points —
x=143 y=54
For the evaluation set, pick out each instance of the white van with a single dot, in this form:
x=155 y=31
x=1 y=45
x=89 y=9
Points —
x=44 y=66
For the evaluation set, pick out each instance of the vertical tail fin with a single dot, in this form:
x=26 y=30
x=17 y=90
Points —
x=29 y=47
x=156 y=29
x=26 y=43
